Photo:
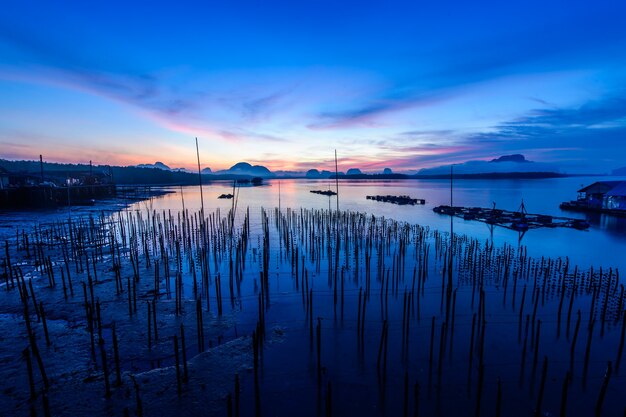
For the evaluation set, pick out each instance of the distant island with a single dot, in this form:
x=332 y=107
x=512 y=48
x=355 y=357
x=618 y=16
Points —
x=483 y=175
x=514 y=166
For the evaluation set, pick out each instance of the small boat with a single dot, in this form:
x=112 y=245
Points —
x=226 y=196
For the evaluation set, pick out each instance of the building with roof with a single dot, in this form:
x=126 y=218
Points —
x=604 y=195
x=616 y=197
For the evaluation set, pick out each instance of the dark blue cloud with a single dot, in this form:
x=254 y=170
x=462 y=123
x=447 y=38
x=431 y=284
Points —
x=590 y=136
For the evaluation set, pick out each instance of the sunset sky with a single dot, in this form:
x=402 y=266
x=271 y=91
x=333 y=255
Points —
x=406 y=85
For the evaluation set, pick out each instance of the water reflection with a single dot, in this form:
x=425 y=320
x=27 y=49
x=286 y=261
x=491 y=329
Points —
x=610 y=224
x=596 y=246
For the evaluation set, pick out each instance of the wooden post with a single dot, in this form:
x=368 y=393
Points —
x=544 y=372
x=29 y=367
x=337 y=182
x=200 y=181
x=184 y=351
x=41 y=166
x=605 y=384
x=44 y=323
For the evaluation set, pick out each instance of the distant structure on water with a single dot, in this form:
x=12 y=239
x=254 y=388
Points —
x=601 y=197
x=401 y=200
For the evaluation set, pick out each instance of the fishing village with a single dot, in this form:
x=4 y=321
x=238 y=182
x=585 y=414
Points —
x=143 y=311
x=48 y=190
x=313 y=209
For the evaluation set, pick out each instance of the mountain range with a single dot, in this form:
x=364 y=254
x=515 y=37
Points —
x=240 y=169
x=506 y=166
x=515 y=163
x=161 y=165
x=244 y=168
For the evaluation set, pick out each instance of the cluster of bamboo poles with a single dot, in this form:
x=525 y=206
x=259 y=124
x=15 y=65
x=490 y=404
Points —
x=391 y=265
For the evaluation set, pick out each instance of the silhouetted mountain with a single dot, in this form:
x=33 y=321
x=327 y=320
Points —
x=354 y=171
x=511 y=158
x=161 y=165
x=157 y=165
x=387 y=171
x=504 y=164
x=324 y=174
x=244 y=168
x=313 y=173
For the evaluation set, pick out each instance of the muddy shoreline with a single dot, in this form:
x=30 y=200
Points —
x=308 y=312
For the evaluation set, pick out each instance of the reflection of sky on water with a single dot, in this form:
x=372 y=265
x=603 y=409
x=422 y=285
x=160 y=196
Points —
x=600 y=245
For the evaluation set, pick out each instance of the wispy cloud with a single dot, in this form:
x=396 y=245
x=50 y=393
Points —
x=585 y=132
x=561 y=124
x=569 y=136
x=370 y=114
x=256 y=91
x=184 y=109
x=263 y=107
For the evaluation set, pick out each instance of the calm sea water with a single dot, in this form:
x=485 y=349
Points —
x=289 y=378
x=601 y=245
x=289 y=367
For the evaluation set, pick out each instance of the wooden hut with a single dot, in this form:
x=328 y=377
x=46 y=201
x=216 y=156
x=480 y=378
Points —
x=604 y=194
x=615 y=198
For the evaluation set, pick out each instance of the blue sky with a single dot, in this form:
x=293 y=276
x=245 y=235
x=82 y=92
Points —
x=398 y=84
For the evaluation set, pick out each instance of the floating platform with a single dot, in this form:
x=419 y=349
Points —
x=324 y=192
x=514 y=220
x=401 y=200
x=584 y=208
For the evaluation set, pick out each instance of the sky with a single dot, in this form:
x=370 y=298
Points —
x=405 y=85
